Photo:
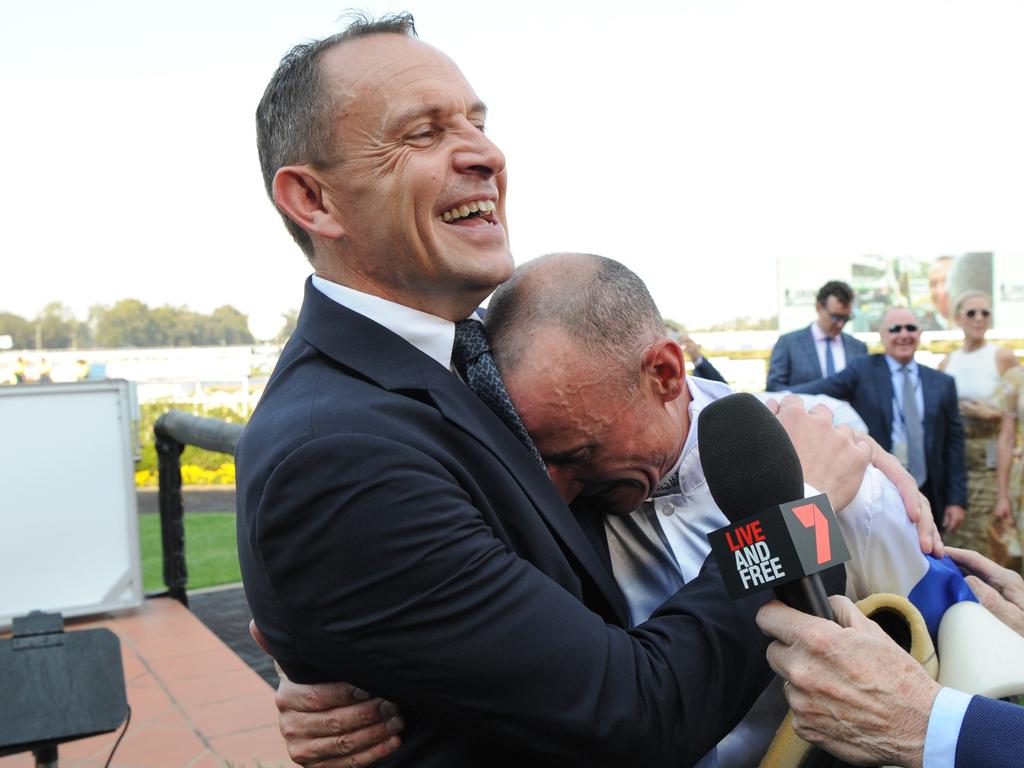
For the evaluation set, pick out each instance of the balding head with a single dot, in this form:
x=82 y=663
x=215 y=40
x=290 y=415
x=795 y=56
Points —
x=901 y=333
x=295 y=117
x=599 y=305
x=599 y=386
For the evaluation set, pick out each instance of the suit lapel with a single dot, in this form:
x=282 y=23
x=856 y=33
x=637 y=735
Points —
x=356 y=342
x=472 y=415
x=847 y=344
x=883 y=385
x=931 y=395
x=810 y=352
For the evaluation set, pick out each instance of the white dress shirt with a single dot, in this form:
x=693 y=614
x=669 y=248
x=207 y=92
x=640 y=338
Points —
x=838 y=350
x=899 y=419
x=434 y=336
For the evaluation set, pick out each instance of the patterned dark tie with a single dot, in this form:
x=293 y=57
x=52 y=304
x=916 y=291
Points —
x=471 y=357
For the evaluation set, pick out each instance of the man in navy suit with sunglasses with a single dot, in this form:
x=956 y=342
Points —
x=911 y=410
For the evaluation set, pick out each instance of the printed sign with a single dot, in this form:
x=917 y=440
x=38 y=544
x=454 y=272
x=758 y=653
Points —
x=777 y=546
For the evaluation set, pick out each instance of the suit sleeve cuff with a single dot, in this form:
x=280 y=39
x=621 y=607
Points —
x=944 y=723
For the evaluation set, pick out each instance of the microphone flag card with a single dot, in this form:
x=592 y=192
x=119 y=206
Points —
x=779 y=545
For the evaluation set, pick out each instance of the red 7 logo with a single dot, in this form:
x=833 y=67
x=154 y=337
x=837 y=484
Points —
x=811 y=517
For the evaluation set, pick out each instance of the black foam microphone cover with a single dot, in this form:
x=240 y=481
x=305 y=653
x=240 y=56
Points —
x=751 y=465
x=748 y=459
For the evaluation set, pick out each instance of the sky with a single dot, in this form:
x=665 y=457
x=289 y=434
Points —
x=697 y=141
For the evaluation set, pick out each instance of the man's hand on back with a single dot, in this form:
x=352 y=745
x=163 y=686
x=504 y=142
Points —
x=919 y=510
x=832 y=461
x=333 y=725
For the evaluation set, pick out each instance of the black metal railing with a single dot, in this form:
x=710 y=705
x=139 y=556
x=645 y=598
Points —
x=174 y=430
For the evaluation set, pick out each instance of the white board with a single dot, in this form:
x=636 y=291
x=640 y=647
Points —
x=68 y=519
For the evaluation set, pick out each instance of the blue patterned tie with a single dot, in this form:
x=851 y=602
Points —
x=830 y=362
x=471 y=357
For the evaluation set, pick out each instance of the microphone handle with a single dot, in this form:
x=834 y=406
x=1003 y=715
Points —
x=807 y=595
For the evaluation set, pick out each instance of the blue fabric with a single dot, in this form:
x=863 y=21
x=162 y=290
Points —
x=992 y=735
x=830 y=361
x=941 y=586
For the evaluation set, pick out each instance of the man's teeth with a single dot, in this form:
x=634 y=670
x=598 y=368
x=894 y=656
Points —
x=462 y=211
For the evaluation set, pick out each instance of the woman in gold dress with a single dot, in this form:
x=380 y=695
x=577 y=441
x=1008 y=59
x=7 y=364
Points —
x=1010 y=463
x=978 y=368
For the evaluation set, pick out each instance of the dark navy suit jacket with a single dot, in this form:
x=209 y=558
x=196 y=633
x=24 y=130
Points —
x=395 y=534
x=795 y=358
x=707 y=371
x=992 y=735
x=866 y=384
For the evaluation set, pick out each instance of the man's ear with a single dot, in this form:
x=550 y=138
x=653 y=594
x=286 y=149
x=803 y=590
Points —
x=297 y=192
x=663 y=366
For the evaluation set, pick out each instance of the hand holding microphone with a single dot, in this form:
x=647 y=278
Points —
x=851 y=689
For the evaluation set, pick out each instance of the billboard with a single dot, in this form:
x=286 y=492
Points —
x=927 y=284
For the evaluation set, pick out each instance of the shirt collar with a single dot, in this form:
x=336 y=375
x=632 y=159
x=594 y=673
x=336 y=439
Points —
x=896 y=367
x=687 y=470
x=434 y=336
x=817 y=333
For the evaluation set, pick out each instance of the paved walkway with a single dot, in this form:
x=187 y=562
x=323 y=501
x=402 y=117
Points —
x=197 y=498
x=195 y=703
x=225 y=613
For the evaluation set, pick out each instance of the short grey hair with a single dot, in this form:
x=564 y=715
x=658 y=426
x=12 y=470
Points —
x=596 y=300
x=294 y=118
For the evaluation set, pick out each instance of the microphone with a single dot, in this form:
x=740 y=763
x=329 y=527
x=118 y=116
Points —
x=776 y=539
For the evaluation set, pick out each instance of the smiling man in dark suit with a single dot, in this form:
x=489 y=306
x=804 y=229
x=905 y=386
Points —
x=394 y=531
x=911 y=410
x=820 y=349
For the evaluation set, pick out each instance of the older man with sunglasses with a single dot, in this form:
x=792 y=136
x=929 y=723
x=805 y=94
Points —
x=911 y=410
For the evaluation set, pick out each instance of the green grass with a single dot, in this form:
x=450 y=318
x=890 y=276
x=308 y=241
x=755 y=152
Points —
x=211 y=554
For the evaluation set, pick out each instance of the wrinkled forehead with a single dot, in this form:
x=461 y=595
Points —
x=372 y=72
x=553 y=380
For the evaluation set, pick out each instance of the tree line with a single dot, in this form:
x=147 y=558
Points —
x=129 y=323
